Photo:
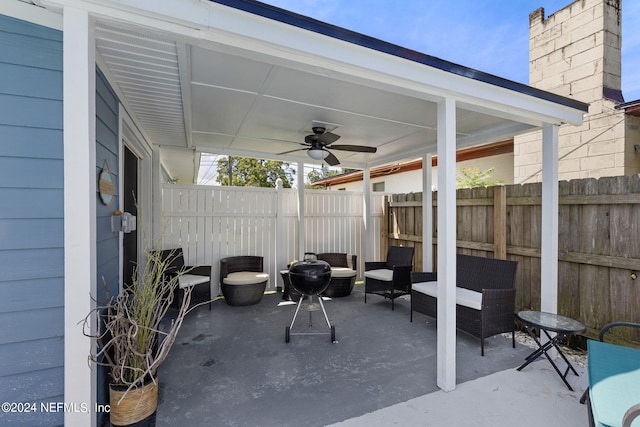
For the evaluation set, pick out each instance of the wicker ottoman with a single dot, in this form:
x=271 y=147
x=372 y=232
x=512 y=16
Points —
x=342 y=281
x=244 y=287
x=289 y=293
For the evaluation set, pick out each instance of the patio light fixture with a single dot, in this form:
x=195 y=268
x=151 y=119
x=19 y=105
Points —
x=317 y=154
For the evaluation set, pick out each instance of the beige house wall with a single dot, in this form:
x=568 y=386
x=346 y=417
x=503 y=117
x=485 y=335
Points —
x=597 y=148
x=576 y=53
x=632 y=157
x=411 y=182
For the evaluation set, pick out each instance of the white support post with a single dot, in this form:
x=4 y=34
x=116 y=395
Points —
x=427 y=212
x=80 y=280
x=549 y=241
x=446 y=369
x=366 y=213
x=302 y=240
x=278 y=248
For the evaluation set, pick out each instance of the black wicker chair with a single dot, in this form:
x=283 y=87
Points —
x=492 y=279
x=197 y=277
x=391 y=278
x=343 y=273
x=242 y=279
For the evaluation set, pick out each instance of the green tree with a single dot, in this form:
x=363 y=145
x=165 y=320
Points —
x=474 y=177
x=248 y=172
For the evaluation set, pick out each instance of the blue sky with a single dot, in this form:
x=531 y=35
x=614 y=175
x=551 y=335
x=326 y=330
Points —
x=490 y=36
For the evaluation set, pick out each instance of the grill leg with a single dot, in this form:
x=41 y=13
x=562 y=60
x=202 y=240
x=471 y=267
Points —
x=324 y=311
x=296 y=313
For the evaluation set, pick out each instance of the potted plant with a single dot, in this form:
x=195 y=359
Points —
x=131 y=342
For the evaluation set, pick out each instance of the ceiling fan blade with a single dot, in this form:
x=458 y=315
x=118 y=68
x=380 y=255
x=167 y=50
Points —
x=293 y=151
x=332 y=160
x=264 y=138
x=328 y=138
x=356 y=148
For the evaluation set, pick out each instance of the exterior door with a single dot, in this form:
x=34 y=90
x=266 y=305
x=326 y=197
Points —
x=129 y=240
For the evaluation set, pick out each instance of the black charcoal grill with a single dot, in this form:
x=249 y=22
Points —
x=310 y=277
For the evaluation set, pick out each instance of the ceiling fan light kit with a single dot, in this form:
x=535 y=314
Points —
x=317 y=154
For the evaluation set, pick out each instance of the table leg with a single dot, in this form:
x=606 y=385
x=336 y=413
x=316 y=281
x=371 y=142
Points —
x=536 y=353
x=542 y=349
x=569 y=365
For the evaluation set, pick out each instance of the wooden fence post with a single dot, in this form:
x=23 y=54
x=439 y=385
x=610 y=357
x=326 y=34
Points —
x=384 y=228
x=500 y=222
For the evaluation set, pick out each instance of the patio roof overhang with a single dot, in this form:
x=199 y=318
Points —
x=241 y=78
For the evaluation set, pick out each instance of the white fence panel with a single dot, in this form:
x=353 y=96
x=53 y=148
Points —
x=288 y=235
x=211 y=223
x=334 y=222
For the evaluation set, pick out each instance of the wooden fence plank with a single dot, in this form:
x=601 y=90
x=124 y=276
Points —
x=500 y=223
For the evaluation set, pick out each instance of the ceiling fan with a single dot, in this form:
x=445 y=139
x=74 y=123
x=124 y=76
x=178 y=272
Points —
x=317 y=143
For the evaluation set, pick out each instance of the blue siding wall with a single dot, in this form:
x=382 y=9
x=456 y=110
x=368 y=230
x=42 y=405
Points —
x=31 y=220
x=107 y=142
x=31 y=217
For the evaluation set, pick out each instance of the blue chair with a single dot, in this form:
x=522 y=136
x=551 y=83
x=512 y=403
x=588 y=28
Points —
x=614 y=381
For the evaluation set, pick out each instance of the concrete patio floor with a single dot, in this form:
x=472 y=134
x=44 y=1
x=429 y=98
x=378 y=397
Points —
x=231 y=367
x=530 y=398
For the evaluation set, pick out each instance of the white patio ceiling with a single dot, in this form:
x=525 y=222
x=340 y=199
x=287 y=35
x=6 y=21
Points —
x=245 y=85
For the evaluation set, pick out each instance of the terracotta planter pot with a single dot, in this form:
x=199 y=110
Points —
x=137 y=408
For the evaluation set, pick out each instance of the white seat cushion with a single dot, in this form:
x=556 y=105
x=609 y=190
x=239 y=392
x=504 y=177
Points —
x=188 y=280
x=465 y=297
x=342 y=272
x=469 y=298
x=427 y=288
x=245 y=278
x=382 y=274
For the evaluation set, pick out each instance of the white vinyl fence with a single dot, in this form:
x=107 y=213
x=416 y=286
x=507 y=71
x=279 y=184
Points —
x=211 y=223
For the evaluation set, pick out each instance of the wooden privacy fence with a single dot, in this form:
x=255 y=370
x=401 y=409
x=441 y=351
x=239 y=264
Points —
x=211 y=223
x=598 y=241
